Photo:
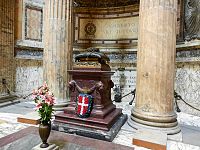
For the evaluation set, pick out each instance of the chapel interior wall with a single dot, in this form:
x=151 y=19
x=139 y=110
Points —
x=113 y=31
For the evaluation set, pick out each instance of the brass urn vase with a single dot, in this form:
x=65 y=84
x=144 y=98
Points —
x=44 y=132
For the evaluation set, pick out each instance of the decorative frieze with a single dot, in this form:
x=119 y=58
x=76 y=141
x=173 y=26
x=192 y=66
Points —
x=127 y=58
x=120 y=58
x=104 y=3
x=188 y=56
x=29 y=54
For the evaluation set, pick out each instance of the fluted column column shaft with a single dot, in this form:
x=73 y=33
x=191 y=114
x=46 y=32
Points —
x=155 y=64
x=58 y=46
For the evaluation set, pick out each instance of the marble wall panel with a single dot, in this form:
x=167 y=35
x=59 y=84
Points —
x=29 y=76
x=33 y=23
x=188 y=86
x=124 y=81
x=29 y=24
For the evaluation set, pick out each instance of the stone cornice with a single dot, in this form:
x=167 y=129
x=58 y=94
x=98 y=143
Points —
x=103 y=3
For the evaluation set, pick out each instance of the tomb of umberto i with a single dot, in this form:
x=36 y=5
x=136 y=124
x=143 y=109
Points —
x=160 y=51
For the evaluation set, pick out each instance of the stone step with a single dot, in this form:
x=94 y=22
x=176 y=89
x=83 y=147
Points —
x=8 y=100
x=30 y=118
x=150 y=139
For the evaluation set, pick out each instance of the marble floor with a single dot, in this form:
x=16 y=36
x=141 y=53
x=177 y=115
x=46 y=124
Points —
x=189 y=124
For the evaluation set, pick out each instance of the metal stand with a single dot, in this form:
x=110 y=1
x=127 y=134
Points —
x=118 y=97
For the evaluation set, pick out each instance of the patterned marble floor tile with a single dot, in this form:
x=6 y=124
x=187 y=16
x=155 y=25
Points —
x=8 y=128
x=9 y=124
x=188 y=119
x=9 y=117
x=172 y=145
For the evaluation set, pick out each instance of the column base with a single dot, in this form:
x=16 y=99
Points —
x=169 y=130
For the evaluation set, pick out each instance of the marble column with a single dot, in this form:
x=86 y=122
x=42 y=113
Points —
x=58 y=48
x=154 y=108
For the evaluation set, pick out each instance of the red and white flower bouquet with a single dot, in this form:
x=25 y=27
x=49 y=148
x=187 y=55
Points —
x=44 y=100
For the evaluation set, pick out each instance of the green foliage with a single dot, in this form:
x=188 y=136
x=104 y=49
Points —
x=45 y=114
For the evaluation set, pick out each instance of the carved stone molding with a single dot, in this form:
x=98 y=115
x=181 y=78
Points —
x=192 y=19
x=103 y=3
x=28 y=54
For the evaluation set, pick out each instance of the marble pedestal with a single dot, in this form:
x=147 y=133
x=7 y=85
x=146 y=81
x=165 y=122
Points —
x=170 y=130
x=81 y=129
x=105 y=119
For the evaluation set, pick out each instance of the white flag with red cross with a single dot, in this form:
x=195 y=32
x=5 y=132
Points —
x=84 y=105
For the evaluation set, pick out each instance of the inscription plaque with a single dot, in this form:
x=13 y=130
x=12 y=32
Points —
x=110 y=29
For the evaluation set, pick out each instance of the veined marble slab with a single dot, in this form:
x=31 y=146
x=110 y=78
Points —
x=172 y=145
